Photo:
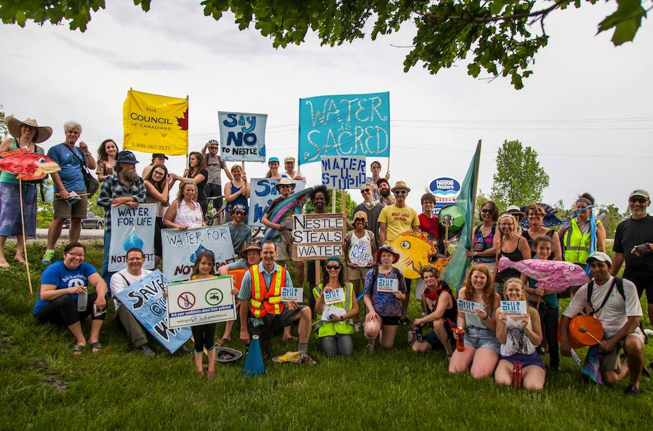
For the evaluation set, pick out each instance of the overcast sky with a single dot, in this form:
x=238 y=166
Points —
x=586 y=110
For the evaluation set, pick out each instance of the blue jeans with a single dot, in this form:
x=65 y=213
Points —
x=339 y=344
x=106 y=275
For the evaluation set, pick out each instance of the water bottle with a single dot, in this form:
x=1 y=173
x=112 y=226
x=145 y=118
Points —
x=479 y=239
x=82 y=300
x=459 y=335
x=419 y=335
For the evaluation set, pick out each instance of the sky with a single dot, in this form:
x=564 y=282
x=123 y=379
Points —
x=586 y=109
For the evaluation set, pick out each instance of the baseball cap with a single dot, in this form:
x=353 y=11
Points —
x=159 y=156
x=641 y=193
x=601 y=257
x=289 y=159
x=273 y=159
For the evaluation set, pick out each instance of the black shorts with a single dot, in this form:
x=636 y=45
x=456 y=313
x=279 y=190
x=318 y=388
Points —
x=273 y=325
x=643 y=283
x=390 y=320
x=433 y=339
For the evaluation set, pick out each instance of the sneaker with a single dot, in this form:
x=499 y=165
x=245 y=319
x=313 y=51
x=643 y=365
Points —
x=632 y=390
x=47 y=257
x=307 y=359
x=411 y=337
x=146 y=351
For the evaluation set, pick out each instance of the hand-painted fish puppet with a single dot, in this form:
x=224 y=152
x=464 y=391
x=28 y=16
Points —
x=551 y=275
x=27 y=165
x=283 y=212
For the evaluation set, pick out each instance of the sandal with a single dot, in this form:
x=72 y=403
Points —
x=96 y=347
x=78 y=349
x=222 y=341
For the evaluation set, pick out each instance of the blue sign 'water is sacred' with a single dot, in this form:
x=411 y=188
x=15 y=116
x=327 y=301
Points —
x=344 y=125
x=242 y=136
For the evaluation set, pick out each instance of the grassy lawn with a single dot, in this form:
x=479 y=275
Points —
x=45 y=387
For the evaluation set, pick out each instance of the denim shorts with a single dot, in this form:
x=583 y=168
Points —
x=482 y=338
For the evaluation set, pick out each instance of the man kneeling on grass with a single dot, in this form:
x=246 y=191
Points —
x=119 y=281
x=262 y=309
x=614 y=302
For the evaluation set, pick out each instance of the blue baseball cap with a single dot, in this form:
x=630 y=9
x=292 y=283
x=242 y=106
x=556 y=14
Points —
x=273 y=159
x=126 y=157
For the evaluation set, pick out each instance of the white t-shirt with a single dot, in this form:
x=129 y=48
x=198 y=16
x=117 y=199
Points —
x=614 y=314
x=360 y=249
x=118 y=282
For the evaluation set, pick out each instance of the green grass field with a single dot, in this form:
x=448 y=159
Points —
x=44 y=387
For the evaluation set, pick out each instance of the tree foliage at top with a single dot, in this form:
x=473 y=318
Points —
x=501 y=37
x=520 y=180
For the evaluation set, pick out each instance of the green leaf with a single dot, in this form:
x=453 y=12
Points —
x=20 y=18
x=626 y=31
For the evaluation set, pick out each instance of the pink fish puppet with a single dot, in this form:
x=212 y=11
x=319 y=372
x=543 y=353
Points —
x=27 y=165
x=551 y=275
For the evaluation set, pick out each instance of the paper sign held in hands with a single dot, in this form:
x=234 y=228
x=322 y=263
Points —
x=514 y=308
x=387 y=285
x=292 y=294
x=332 y=310
x=334 y=296
x=469 y=307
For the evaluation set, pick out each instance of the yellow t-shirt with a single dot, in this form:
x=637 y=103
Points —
x=398 y=220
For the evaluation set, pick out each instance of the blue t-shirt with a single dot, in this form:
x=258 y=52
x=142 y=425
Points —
x=58 y=275
x=70 y=173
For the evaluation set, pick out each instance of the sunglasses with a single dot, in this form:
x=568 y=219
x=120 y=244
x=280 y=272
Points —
x=365 y=191
x=638 y=200
x=400 y=192
x=214 y=148
x=486 y=211
x=329 y=267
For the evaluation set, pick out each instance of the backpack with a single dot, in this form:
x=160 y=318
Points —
x=618 y=281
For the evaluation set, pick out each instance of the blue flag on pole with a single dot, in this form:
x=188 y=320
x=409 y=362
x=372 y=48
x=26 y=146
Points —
x=454 y=273
x=344 y=125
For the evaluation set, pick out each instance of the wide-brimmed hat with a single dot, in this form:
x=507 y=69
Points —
x=126 y=157
x=43 y=132
x=400 y=185
x=285 y=182
x=248 y=247
x=360 y=214
x=389 y=249
x=514 y=210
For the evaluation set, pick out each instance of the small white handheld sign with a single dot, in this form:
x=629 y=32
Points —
x=514 y=308
x=292 y=294
x=469 y=307
x=334 y=296
x=387 y=285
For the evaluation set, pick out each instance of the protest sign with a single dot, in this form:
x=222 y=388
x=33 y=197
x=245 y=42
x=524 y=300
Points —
x=155 y=124
x=144 y=299
x=199 y=302
x=262 y=193
x=181 y=247
x=469 y=307
x=334 y=296
x=342 y=173
x=344 y=125
x=292 y=294
x=514 y=308
x=317 y=236
x=387 y=285
x=242 y=136
x=131 y=228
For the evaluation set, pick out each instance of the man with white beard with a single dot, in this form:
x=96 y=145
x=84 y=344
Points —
x=123 y=187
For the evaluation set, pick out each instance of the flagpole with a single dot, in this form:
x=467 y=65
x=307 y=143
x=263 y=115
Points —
x=478 y=162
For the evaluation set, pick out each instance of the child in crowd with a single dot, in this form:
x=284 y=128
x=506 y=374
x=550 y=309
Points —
x=518 y=336
x=546 y=304
x=204 y=335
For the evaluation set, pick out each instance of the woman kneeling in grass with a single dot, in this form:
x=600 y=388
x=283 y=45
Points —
x=481 y=344
x=335 y=334
x=519 y=336
x=385 y=288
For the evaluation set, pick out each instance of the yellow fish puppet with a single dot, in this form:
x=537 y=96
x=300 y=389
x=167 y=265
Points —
x=416 y=251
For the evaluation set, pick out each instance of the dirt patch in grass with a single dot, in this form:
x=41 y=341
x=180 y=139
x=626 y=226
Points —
x=49 y=377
